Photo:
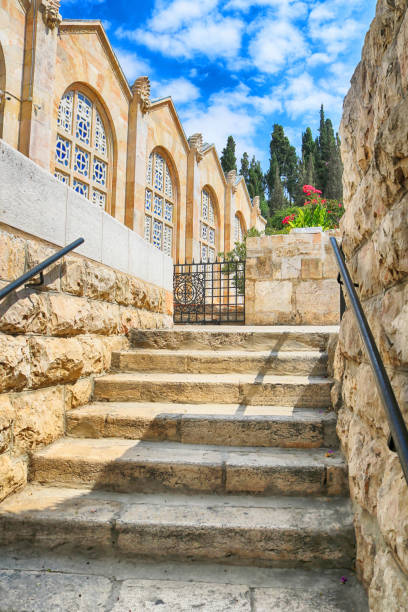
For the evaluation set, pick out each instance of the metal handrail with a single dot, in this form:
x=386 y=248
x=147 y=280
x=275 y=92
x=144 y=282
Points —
x=39 y=269
x=396 y=422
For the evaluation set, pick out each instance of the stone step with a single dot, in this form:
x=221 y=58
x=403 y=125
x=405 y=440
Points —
x=148 y=467
x=246 y=389
x=139 y=585
x=223 y=337
x=218 y=424
x=309 y=363
x=245 y=530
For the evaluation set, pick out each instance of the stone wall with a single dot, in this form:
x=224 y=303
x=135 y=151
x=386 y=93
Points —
x=55 y=339
x=374 y=135
x=291 y=279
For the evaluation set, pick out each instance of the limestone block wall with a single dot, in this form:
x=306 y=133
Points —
x=374 y=135
x=55 y=339
x=291 y=279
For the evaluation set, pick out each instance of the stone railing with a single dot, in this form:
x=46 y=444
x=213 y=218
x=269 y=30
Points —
x=291 y=279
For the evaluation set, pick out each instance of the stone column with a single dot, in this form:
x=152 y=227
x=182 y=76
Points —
x=136 y=155
x=256 y=210
x=229 y=210
x=37 y=112
x=193 y=200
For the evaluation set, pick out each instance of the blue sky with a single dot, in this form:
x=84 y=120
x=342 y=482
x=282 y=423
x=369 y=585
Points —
x=238 y=66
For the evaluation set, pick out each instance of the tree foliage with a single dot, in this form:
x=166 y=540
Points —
x=228 y=159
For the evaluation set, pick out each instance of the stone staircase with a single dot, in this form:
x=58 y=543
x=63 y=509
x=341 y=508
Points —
x=204 y=448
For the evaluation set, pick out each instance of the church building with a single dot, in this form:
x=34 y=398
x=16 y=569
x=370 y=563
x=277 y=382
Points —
x=66 y=104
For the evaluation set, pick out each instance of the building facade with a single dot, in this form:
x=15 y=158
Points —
x=66 y=104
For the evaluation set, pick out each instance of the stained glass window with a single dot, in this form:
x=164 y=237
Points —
x=82 y=147
x=147 y=228
x=65 y=112
x=99 y=198
x=238 y=231
x=63 y=152
x=157 y=233
x=63 y=178
x=148 y=200
x=81 y=188
x=159 y=204
x=208 y=230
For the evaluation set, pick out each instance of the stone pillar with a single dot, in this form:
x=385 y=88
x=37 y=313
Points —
x=193 y=199
x=37 y=112
x=136 y=155
x=229 y=210
x=256 y=210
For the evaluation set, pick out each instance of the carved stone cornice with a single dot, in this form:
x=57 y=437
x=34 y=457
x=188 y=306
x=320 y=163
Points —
x=196 y=144
x=256 y=203
x=50 y=11
x=141 y=92
x=232 y=180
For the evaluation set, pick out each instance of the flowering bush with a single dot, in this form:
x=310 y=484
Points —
x=316 y=211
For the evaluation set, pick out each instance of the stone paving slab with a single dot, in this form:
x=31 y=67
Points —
x=54 y=583
x=278 y=531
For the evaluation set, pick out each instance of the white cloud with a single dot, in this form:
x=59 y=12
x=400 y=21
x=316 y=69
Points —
x=212 y=37
x=277 y=44
x=106 y=24
x=171 y=16
x=132 y=66
x=181 y=90
x=302 y=96
x=233 y=112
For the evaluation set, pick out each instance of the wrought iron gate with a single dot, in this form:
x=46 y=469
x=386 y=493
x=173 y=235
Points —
x=209 y=292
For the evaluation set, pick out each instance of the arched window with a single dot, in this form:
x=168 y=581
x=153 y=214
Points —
x=160 y=203
x=207 y=227
x=82 y=152
x=238 y=230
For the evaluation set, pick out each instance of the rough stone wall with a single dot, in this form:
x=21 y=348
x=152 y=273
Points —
x=374 y=135
x=55 y=339
x=291 y=279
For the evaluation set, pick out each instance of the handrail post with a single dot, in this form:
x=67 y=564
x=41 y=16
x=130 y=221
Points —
x=395 y=419
x=39 y=268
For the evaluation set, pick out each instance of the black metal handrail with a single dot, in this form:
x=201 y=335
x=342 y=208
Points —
x=39 y=269
x=396 y=422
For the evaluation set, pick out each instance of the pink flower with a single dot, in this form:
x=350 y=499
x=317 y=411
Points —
x=317 y=191
x=339 y=205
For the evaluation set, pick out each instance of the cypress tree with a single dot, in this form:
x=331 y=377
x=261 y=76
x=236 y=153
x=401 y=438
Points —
x=245 y=167
x=228 y=159
x=287 y=160
x=277 y=198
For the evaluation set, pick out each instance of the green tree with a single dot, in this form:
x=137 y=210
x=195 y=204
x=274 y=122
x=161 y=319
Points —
x=245 y=167
x=334 y=187
x=256 y=180
x=228 y=159
x=287 y=160
x=277 y=198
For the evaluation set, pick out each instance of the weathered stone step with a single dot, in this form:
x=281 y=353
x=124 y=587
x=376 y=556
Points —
x=312 y=363
x=246 y=389
x=222 y=424
x=274 y=531
x=218 y=338
x=149 y=467
x=171 y=586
